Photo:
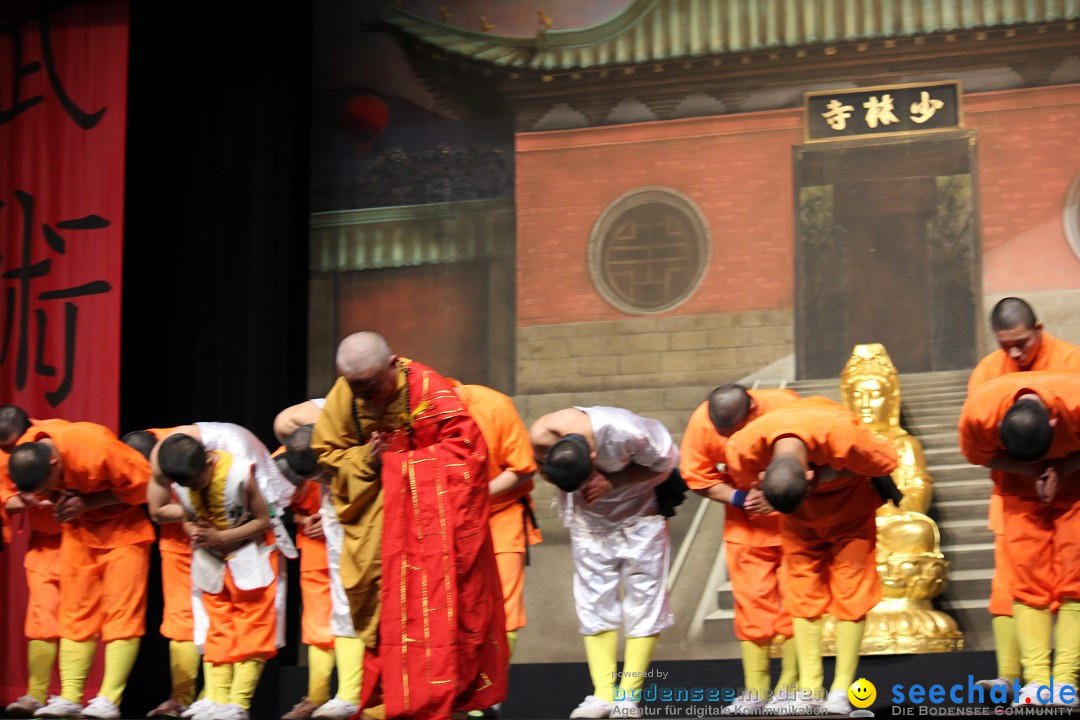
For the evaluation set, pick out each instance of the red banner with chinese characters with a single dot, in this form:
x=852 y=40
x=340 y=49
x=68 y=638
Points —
x=63 y=110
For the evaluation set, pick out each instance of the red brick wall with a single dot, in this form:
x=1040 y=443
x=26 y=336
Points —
x=1029 y=155
x=737 y=170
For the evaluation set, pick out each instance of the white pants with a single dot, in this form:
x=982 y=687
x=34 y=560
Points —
x=634 y=560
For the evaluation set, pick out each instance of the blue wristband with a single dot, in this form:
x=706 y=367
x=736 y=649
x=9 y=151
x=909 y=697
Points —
x=738 y=498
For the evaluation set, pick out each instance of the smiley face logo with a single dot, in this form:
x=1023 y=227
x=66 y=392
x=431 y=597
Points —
x=862 y=693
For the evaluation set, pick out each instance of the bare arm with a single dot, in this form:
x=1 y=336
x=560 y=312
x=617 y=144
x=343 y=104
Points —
x=160 y=504
x=1006 y=463
x=507 y=480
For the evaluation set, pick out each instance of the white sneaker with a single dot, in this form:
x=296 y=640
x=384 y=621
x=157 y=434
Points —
x=1069 y=700
x=626 y=709
x=745 y=704
x=335 y=709
x=101 y=707
x=209 y=711
x=806 y=702
x=231 y=712
x=24 y=707
x=58 y=707
x=593 y=707
x=1030 y=696
x=781 y=703
x=197 y=707
x=837 y=703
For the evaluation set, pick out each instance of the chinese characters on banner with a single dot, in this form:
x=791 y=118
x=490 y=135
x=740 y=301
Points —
x=63 y=98
x=886 y=110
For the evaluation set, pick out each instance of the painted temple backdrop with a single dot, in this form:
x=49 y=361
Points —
x=630 y=202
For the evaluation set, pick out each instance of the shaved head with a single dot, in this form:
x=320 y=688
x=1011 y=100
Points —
x=362 y=354
x=182 y=459
x=13 y=423
x=29 y=466
x=298 y=453
x=784 y=484
x=1025 y=430
x=1012 y=313
x=142 y=440
x=729 y=406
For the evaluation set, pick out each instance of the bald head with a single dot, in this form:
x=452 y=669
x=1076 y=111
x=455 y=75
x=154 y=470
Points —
x=362 y=353
x=784 y=484
x=1026 y=431
x=13 y=423
x=298 y=453
x=30 y=466
x=142 y=440
x=729 y=406
x=1012 y=313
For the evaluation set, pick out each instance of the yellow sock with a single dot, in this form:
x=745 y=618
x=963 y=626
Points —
x=349 y=653
x=245 y=679
x=511 y=641
x=638 y=653
x=207 y=668
x=119 y=659
x=218 y=682
x=1034 y=628
x=40 y=658
x=808 y=648
x=1067 y=643
x=848 y=641
x=755 y=666
x=320 y=668
x=1006 y=647
x=183 y=669
x=75 y=660
x=600 y=650
x=789 y=668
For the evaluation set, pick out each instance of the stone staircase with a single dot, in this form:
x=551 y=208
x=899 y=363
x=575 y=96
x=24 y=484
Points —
x=930 y=409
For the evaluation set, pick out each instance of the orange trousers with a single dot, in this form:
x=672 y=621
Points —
x=102 y=590
x=1043 y=544
x=758 y=583
x=317 y=608
x=831 y=569
x=243 y=623
x=177 y=622
x=42 y=564
x=512 y=575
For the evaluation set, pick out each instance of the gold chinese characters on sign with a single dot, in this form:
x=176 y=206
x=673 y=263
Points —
x=897 y=109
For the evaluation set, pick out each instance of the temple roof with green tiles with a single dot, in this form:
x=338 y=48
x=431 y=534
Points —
x=716 y=56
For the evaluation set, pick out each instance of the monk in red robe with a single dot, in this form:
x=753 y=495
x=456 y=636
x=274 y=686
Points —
x=411 y=492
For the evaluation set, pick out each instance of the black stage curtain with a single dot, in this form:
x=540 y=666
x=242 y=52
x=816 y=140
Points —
x=216 y=251
x=215 y=278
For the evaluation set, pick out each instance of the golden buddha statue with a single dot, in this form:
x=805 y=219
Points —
x=909 y=560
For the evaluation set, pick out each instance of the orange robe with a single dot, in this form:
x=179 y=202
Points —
x=751 y=541
x=314 y=573
x=441 y=631
x=829 y=541
x=1053 y=354
x=105 y=553
x=1041 y=540
x=41 y=562
x=512 y=531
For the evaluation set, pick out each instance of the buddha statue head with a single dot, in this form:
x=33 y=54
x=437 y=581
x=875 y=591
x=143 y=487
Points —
x=870 y=387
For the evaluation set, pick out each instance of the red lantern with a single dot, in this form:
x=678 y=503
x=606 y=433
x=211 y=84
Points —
x=363 y=117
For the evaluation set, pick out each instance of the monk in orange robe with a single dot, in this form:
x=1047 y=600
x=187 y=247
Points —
x=510 y=469
x=1024 y=345
x=814 y=458
x=1027 y=425
x=96 y=484
x=410 y=480
x=42 y=565
x=751 y=540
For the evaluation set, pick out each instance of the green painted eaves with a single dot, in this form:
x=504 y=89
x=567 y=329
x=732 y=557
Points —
x=659 y=30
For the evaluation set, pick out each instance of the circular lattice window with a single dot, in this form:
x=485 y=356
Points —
x=648 y=251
